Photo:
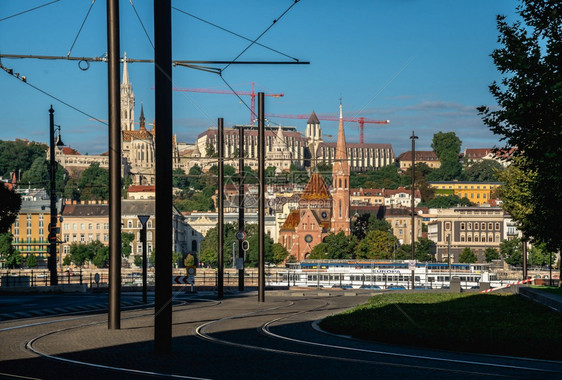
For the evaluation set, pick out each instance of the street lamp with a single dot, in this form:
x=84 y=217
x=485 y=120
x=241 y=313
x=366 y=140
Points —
x=52 y=259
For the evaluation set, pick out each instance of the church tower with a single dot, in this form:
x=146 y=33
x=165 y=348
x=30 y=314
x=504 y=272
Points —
x=340 y=187
x=127 y=100
x=313 y=135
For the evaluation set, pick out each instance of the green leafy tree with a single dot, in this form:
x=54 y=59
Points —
x=484 y=171
x=279 y=253
x=511 y=251
x=31 y=261
x=210 y=151
x=127 y=182
x=467 y=256
x=12 y=257
x=138 y=260
x=38 y=174
x=9 y=208
x=189 y=260
x=152 y=258
x=424 y=250
x=71 y=190
x=94 y=183
x=252 y=254
x=538 y=255
x=319 y=252
x=340 y=246
x=376 y=245
x=19 y=154
x=194 y=176
x=446 y=145
x=100 y=254
x=81 y=253
x=126 y=240
x=491 y=254
x=446 y=202
x=529 y=97
x=176 y=258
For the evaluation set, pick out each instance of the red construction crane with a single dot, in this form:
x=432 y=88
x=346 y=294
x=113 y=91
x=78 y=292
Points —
x=229 y=92
x=361 y=120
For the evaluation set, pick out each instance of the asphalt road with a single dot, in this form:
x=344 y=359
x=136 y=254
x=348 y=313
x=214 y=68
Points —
x=235 y=338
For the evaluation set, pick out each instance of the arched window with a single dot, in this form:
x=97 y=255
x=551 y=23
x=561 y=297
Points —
x=194 y=245
x=130 y=224
x=149 y=235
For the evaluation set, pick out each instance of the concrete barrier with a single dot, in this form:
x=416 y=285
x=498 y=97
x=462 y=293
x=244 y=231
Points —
x=550 y=300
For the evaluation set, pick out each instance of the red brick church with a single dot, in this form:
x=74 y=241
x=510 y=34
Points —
x=320 y=212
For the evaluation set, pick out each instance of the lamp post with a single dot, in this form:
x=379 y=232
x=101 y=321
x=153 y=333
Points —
x=52 y=259
x=412 y=202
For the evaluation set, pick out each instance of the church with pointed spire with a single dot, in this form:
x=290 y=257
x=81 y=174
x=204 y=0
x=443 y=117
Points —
x=138 y=145
x=320 y=211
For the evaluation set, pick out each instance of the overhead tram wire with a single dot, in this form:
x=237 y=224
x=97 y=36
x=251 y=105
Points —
x=29 y=10
x=24 y=80
x=81 y=26
x=142 y=24
x=261 y=35
x=235 y=34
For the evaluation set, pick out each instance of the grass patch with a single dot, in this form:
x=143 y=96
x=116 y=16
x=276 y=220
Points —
x=549 y=289
x=504 y=324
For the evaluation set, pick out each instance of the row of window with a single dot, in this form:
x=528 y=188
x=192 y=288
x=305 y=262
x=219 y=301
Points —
x=105 y=225
x=480 y=238
x=475 y=226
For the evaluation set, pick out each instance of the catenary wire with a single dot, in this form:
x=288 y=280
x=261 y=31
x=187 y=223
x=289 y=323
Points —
x=29 y=10
x=233 y=33
x=142 y=24
x=261 y=35
x=81 y=26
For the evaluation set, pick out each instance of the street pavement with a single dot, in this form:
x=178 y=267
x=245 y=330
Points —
x=233 y=338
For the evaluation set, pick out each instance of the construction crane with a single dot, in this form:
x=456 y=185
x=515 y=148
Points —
x=361 y=120
x=229 y=92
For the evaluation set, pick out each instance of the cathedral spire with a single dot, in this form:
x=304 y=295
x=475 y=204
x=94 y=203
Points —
x=340 y=221
x=341 y=151
x=125 y=69
x=141 y=118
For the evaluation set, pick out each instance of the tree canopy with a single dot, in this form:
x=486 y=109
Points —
x=9 y=208
x=529 y=97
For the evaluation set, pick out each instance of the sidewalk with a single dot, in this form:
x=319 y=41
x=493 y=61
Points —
x=550 y=300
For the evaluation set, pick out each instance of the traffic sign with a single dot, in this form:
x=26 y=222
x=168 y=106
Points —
x=245 y=245
x=191 y=270
x=180 y=280
x=143 y=219
x=240 y=235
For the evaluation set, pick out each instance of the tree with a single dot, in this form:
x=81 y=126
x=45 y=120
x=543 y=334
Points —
x=376 y=245
x=279 y=253
x=529 y=97
x=94 y=183
x=446 y=145
x=467 y=256
x=138 y=260
x=180 y=179
x=511 y=251
x=9 y=208
x=31 y=261
x=446 y=202
x=100 y=254
x=540 y=256
x=80 y=253
x=127 y=182
x=491 y=254
x=319 y=252
x=37 y=175
x=12 y=257
x=176 y=258
x=340 y=246
x=424 y=250
x=210 y=151
x=484 y=171
x=189 y=260
x=252 y=253
x=19 y=154
x=126 y=239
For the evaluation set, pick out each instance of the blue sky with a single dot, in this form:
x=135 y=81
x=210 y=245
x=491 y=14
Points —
x=423 y=65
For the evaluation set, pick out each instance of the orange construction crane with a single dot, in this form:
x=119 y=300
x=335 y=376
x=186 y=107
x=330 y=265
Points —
x=361 y=120
x=229 y=92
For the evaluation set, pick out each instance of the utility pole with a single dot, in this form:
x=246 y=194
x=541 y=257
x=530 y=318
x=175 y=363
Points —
x=220 y=206
x=412 y=202
x=114 y=111
x=52 y=259
x=241 y=205
x=261 y=201
x=164 y=230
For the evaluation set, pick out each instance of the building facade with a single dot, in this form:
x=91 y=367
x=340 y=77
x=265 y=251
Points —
x=476 y=192
x=476 y=228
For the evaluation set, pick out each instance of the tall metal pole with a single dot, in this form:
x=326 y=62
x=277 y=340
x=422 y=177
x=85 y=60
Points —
x=144 y=264
x=114 y=110
x=164 y=230
x=220 y=207
x=241 y=204
x=413 y=137
x=261 y=201
x=449 y=256
x=52 y=259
